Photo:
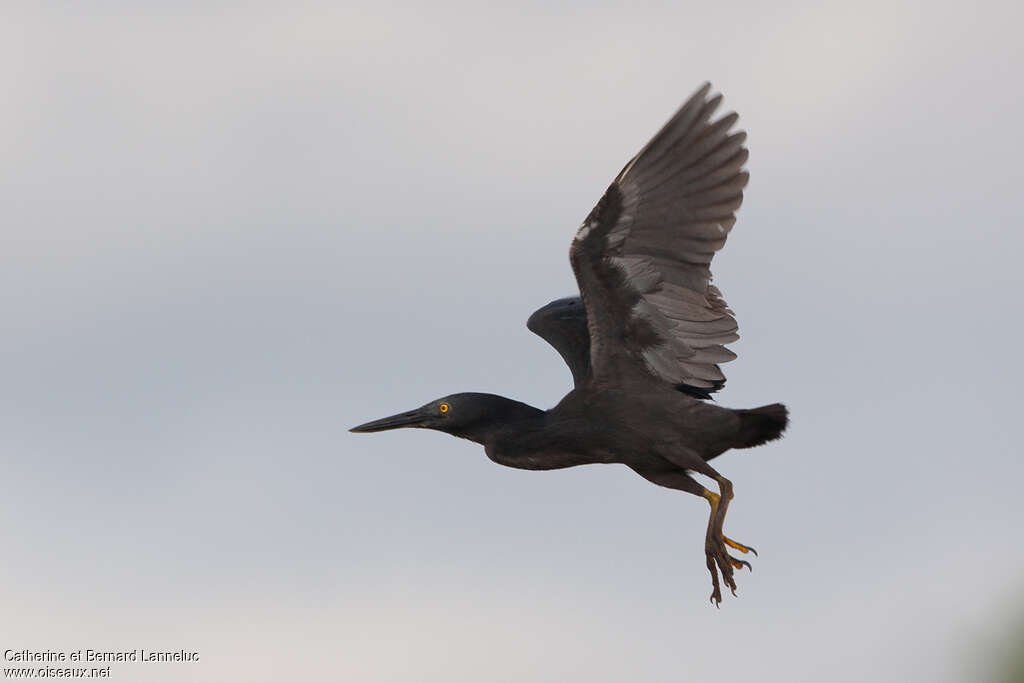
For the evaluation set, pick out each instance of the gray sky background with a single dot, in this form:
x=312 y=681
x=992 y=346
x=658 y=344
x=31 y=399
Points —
x=231 y=232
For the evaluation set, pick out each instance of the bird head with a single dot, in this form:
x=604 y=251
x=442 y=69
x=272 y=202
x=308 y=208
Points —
x=469 y=415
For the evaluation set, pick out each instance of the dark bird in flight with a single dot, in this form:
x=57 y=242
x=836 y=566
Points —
x=645 y=340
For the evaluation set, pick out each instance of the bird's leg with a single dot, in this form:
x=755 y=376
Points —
x=713 y=556
x=716 y=541
x=713 y=499
x=714 y=545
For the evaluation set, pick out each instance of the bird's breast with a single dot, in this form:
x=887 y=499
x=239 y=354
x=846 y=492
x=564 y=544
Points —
x=544 y=459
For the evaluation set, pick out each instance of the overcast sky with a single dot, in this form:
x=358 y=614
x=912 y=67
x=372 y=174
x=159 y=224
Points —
x=232 y=231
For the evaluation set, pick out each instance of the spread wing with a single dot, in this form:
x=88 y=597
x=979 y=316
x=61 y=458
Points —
x=642 y=256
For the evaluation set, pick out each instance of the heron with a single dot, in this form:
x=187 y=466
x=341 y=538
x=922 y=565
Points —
x=645 y=337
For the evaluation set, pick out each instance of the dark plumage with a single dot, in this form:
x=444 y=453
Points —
x=645 y=340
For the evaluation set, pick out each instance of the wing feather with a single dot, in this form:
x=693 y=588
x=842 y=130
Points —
x=642 y=255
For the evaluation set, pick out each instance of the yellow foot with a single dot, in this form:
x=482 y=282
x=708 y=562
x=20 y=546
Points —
x=718 y=559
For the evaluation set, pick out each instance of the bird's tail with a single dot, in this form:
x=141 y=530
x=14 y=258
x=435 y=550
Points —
x=760 y=425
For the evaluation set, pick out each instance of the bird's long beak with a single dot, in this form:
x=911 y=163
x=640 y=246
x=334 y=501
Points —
x=411 y=418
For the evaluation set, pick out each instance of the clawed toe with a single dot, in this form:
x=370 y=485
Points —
x=740 y=564
x=719 y=561
x=716 y=593
x=739 y=546
x=716 y=543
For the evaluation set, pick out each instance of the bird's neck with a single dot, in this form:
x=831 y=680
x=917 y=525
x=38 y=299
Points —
x=507 y=419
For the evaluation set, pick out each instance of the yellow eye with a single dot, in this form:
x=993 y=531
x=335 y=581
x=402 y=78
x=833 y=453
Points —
x=443 y=407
